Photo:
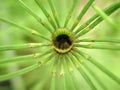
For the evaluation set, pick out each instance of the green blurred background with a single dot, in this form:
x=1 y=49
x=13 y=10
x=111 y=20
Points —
x=11 y=9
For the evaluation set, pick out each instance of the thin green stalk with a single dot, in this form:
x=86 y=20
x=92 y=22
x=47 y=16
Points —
x=60 y=83
x=17 y=59
x=95 y=77
x=88 y=80
x=51 y=78
x=82 y=72
x=73 y=67
x=90 y=46
x=16 y=25
x=42 y=82
x=28 y=30
x=99 y=40
x=73 y=61
x=106 y=71
x=50 y=20
x=62 y=77
x=18 y=73
x=108 y=11
x=70 y=12
x=82 y=13
x=61 y=74
x=26 y=58
x=65 y=74
x=106 y=17
x=100 y=66
x=52 y=86
x=35 y=16
x=72 y=82
x=75 y=81
x=20 y=46
x=54 y=12
x=47 y=59
x=54 y=70
x=68 y=82
x=39 y=85
x=77 y=55
x=91 y=27
x=15 y=83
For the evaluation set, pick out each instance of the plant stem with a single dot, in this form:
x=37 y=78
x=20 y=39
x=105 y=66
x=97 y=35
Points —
x=105 y=16
x=84 y=10
x=35 y=16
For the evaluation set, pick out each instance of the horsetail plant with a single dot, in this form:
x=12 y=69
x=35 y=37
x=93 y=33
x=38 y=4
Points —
x=68 y=64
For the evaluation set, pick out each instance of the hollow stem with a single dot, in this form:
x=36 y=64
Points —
x=62 y=40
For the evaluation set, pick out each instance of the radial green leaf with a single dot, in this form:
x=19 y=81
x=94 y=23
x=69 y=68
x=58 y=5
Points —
x=19 y=72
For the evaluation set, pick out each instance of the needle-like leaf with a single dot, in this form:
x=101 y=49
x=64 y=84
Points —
x=97 y=19
x=35 y=16
x=20 y=46
x=84 y=10
x=50 y=20
x=54 y=12
x=100 y=66
x=106 y=17
x=19 y=72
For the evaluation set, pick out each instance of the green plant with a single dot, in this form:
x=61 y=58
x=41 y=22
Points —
x=63 y=62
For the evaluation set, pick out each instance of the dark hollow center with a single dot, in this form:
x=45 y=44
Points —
x=62 y=42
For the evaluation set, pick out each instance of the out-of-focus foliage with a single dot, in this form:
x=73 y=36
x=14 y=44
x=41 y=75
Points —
x=12 y=10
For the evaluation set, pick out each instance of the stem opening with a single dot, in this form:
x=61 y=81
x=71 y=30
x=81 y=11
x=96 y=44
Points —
x=62 y=40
